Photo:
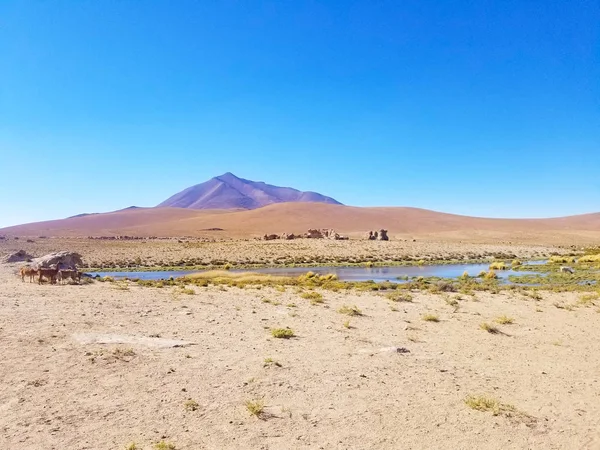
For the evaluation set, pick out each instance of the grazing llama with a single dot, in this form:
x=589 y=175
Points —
x=28 y=271
x=65 y=274
x=565 y=269
x=50 y=273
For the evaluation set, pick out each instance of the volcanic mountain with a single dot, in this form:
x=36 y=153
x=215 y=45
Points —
x=230 y=192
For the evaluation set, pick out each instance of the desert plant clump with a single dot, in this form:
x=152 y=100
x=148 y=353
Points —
x=430 y=318
x=399 y=297
x=588 y=299
x=162 y=445
x=498 y=265
x=489 y=328
x=491 y=275
x=516 y=263
x=271 y=362
x=314 y=297
x=132 y=446
x=484 y=403
x=187 y=291
x=504 y=320
x=191 y=405
x=346 y=324
x=282 y=333
x=256 y=408
x=350 y=310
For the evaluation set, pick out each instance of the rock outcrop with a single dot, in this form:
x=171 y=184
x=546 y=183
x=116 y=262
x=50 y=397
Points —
x=68 y=260
x=313 y=233
x=19 y=256
x=380 y=235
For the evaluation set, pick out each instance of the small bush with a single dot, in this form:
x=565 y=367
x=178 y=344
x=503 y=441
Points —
x=255 y=407
x=271 y=362
x=562 y=259
x=191 y=405
x=350 y=310
x=399 y=297
x=347 y=324
x=430 y=318
x=162 y=445
x=504 y=320
x=516 y=263
x=312 y=296
x=491 y=275
x=282 y=333
x=498 y=265
x=483 y=403
x=489 y=328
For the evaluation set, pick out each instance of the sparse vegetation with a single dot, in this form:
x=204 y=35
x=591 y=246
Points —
x=489 y=328
x=346 y=324
x=488 y=404
x=504 y=320
x=498 y=265
x=162 y=445
x=314 y=297
x=255 y=407
x=191 y=405
x=350 y=310
x=271 y=362
x=282 y=333
x=400 y=297
x=430 y=318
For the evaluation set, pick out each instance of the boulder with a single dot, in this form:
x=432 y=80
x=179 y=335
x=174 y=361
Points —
x=314 y=234
x=68 y=260
x=19 y=256
x=270 y=237
x=383 y=235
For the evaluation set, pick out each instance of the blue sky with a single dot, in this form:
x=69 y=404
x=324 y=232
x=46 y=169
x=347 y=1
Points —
x=488 y=108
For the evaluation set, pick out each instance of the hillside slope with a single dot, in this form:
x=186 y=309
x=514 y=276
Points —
x=298 y=217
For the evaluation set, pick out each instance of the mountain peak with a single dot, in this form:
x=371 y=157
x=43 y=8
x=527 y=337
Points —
x=228 y=191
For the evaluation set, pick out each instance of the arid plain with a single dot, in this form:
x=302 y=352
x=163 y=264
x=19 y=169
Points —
x=365 y=369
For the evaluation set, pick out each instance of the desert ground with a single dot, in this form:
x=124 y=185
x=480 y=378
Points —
x=384 y=379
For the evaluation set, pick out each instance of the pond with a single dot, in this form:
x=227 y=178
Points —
x=378 y=274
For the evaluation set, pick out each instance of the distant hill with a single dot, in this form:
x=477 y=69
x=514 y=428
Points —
x=402 y=223
x=230 y=192
x=93 y=214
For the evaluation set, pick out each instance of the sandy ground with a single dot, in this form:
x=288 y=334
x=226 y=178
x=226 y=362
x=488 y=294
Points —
x=178 y=252
x=337 y=387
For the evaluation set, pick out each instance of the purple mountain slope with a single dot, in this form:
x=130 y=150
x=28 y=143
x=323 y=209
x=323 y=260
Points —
x=231 y=192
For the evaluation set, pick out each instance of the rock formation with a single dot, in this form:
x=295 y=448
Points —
x=313 y=233
x=69 y=260
x=19 y=256
x=380 y=235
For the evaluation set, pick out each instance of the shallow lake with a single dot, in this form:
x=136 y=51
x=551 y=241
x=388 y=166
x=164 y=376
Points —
x=377 y=274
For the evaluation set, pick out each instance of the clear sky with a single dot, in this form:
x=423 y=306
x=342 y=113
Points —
x=488 y=108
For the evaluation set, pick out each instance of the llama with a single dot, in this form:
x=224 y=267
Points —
x=50 y=273
x=65 y=274
x=28 y=271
